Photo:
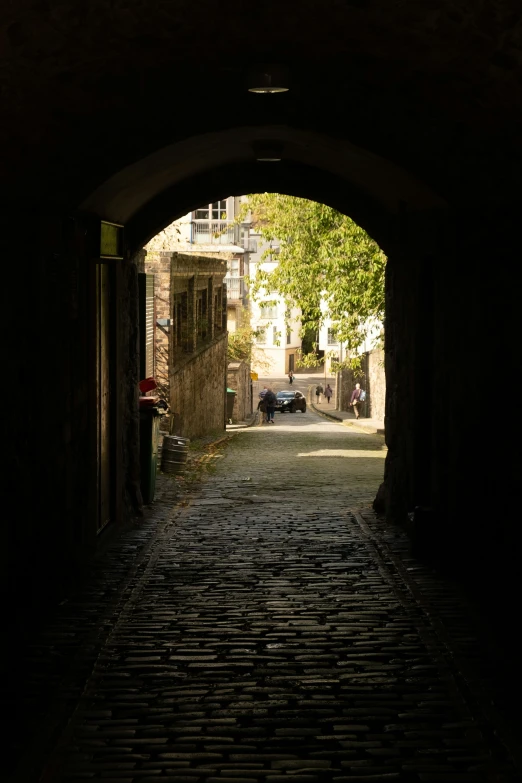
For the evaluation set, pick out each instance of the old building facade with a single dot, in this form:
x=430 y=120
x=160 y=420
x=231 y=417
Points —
x=213 y=230
x=197 y=345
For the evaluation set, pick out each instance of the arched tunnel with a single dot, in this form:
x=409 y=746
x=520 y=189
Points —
x=405 y=117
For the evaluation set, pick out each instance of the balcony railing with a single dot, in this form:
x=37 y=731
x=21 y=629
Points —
x=214 y=232
x=236 y=289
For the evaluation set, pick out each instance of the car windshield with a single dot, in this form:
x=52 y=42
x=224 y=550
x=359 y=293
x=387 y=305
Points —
x=284 y=395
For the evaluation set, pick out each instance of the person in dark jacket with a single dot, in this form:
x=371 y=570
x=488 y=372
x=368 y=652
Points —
x=270 y=400
x=261 y=406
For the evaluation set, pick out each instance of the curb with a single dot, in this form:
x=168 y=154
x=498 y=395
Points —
x=331 y=416
x=366 y=427
x=243 y=426
x=349 y=423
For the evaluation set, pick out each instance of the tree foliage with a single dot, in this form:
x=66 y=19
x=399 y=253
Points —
x=328 y=265
x=242 y=344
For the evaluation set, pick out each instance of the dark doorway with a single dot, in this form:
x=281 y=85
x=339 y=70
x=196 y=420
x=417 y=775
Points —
x=103 y=394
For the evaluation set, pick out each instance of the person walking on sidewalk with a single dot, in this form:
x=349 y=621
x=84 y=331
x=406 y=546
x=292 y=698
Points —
x=318 y=392
x=270 y=400
x=290 y=377
x=261 y=406
x=354 y=401
x=328 y=393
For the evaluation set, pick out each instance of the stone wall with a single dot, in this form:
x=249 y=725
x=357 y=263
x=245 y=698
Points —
x=238 y=378
x=447 y=473
x=197 y=391
x=372 y=378
x=376 y=385
x=50 y=465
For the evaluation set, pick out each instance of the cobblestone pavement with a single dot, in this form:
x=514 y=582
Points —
x=273 y=629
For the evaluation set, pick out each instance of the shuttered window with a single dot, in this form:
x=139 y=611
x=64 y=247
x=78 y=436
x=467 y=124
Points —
x=147 y=323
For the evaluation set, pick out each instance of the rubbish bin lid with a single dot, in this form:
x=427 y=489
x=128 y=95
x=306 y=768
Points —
x=232 y=391
x=146 y=385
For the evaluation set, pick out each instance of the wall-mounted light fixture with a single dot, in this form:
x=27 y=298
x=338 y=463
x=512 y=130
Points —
x=268 y=79
x=268 y=150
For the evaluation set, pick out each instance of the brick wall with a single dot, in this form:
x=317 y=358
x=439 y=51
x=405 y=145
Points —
x=197 y=391
x=238 y=378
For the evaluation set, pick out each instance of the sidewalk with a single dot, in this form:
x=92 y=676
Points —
x=241 y=425
x=348 y=418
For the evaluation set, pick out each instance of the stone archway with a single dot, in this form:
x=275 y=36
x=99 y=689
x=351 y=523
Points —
x=407 y=119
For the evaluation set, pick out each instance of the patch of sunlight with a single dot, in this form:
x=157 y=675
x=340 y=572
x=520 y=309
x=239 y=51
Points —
x=359 y=453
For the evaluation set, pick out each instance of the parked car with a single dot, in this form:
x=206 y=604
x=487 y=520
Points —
x=291 y=401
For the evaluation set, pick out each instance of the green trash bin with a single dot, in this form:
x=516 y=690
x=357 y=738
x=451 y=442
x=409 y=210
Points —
x=231 y=396
x=149 y=442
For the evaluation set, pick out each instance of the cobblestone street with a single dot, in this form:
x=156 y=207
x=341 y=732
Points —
x=273 y=629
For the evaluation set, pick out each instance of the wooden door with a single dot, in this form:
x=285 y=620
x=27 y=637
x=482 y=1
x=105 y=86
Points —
x=103 y=334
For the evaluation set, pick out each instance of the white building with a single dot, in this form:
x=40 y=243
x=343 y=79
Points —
x=335 y=350
x=278 y=326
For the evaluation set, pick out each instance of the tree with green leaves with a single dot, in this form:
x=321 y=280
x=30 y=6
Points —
x=328 y=266
x=242 y=344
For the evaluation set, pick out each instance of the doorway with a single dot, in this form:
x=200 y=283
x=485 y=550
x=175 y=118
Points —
x=104 y=394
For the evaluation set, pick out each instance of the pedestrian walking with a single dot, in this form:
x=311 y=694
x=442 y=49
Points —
x=318 y=392
x=270 y=400
x=355 y=400
x=290 y=377
x=328 y=393
x=261 y=406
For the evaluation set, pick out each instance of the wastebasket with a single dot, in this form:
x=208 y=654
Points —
x=149 y=440
x=231 y=396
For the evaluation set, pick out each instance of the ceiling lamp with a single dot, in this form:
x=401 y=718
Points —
x=268 y=79
x=267 y=151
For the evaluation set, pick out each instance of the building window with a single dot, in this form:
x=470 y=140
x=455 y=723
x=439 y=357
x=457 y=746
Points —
x=215 y=211
x=332 y=337
x=182 y=340
x=268 y=311
x=218 y=309
x=261 y=337
x=288 y=337
x=275 y=335
x=233 y=267
x=202 y=314
x=211 y=225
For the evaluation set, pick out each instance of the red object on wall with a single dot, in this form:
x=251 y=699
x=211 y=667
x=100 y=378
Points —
x=148 y=402
x=147 y=385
